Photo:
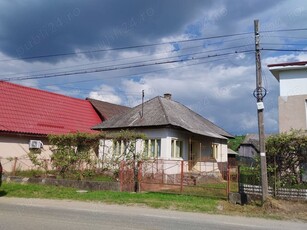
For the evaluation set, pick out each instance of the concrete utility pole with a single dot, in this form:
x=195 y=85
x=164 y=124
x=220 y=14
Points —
x=260 y=93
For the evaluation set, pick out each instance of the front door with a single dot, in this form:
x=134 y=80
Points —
x=194 y=154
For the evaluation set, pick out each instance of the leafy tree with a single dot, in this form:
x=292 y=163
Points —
x=72 y=153
x=127 y=154
x=235 y=142
x=286 y=152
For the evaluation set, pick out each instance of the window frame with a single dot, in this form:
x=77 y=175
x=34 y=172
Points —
x=152 y=151
x=174 y=153
x=215 y=150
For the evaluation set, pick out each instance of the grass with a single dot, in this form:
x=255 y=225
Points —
x=274 y=209
x=217 y=190
x=155 y=200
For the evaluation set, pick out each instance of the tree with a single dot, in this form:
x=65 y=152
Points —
x=71 y=153
x=286 y=153
x=128 y=153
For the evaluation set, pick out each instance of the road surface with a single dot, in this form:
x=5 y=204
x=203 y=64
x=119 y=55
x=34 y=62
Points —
x=32 y=214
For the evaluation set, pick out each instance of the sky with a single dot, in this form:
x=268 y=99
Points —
x=202 y=52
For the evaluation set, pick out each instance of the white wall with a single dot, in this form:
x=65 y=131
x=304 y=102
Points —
x=293 y=82
x=166 y=135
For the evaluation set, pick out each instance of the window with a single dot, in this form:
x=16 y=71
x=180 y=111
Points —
x=215 y=151
x=152 y=148
x=117 y=148
x=177 y=147
x=121 y=148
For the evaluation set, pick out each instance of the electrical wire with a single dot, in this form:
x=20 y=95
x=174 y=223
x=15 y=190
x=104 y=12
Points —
x=186 y=54
x=284 y=50
x=142 y=73
x=125 y=47
x=283 y=30
x=123 y=67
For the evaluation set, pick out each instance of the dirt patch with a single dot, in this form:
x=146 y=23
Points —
x=272 y=208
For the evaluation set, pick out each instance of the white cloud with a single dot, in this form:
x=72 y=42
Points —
x=105 y=93
x=220 y=90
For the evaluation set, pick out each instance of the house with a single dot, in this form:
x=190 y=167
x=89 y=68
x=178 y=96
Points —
x=28 y=115
x=292 y=101
x=175 y=133
x=249 y=148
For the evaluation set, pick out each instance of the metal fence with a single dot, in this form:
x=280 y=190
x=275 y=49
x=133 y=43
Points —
x=205 y=178
x=249 y=182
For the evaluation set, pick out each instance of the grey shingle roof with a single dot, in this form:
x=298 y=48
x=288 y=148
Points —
x=253 y=139
x=160 y=111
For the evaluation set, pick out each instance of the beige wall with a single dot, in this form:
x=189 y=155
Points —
x=292 y=113
x=12 y=146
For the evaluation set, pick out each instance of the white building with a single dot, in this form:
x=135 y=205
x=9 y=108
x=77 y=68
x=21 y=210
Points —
x=292 y=101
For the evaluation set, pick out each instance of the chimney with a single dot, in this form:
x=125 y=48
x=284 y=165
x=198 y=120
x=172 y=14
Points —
x=168 y=96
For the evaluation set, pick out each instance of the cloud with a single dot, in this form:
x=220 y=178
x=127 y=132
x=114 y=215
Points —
x=215 y=84
x=65 y=26
x=105 y=93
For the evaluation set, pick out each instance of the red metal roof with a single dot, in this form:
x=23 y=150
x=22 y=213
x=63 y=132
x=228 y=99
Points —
x=33 y=111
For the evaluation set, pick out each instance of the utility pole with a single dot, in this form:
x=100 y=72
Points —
x=260 y=93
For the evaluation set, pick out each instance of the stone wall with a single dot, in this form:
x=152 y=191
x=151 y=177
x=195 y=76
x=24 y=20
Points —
x=86 y=185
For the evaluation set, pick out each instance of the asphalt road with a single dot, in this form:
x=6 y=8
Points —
x=32 y=214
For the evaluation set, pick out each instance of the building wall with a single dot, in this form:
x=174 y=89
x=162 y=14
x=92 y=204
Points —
x=166 y=135
x=292 y=112
x=12 y=146
x=293 y=82
x=247 y=151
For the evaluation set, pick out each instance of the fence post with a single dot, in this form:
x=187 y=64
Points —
x=238 y=178
x=14 y=166
x=275 y=176
x=121 y=175
x=162 y=166
x=140 y=175
x=181 y=179
x=228 y=180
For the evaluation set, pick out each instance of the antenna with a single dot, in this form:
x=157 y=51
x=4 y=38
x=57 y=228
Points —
x=142 y=104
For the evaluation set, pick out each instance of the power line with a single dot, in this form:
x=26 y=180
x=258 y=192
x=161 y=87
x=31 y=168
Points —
x=123 y=64
x=123 y=67
x=139 y=73
x=148 y=45
x=284 y=44
x=175 y=56
x=283 y=30
x=133 y=57
x=285 y=37
x=284 y=50
x=126 y=47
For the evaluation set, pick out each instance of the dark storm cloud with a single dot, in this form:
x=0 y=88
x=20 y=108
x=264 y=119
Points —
x=38 y=27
